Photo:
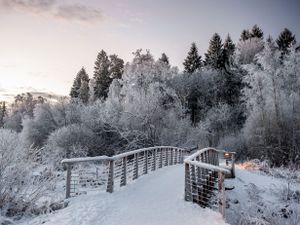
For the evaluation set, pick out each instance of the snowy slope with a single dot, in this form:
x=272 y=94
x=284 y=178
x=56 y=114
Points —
x=259 y=198
x=155 y=199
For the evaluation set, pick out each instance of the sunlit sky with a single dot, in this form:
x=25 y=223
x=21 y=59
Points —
x=44 y=43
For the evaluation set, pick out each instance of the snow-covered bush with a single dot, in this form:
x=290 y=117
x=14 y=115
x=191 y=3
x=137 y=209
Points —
x=20 y=187
x=67 y=142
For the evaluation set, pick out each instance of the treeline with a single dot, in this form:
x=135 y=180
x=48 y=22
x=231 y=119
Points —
x=242 y=96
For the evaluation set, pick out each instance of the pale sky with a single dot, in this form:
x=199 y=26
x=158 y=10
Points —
x=44 y=43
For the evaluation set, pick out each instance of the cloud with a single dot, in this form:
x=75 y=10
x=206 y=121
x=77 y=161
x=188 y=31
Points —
x=68 y=12
x=79 y=13
x=33 y=6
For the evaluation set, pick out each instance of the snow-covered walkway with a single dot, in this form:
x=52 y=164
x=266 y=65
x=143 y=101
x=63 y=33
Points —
x=154 y=199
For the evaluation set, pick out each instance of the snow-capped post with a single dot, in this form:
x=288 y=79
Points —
x=124 y=172
x=232 y=167
x=161 y=158
x=221 y=189
x=146 y=162
x=172 y=155
x=154 y=160
x=110 y=181
x=187 y=181
x=68 y=184
x=167 y=157
x=136 y=166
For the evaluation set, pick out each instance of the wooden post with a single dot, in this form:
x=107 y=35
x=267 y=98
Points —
x=193 y=183
x=221 y=189
x=154 y=160
x=68 y=184
x=136 y=167
x=232 y=166
x=161 y=158
x=146 y=162
x=124 y=172
x=187 y=183
x=110 y=182
x=176 y=156
x=167 y=157
x=172 y=157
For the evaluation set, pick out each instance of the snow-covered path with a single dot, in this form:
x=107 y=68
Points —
x=154 y=199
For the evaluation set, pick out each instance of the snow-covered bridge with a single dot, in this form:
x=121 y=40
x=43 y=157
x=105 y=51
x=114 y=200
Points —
x=157 y=198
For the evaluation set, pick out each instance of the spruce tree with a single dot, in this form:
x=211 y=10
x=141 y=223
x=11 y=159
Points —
x=84 y=91
x=192 y=63
x=256 y=32
x=164 y=59
x=102 y=76
x=245 y=35
x=81 y=79
x=116 y=67
x=228 y=49
x=285 y=40
x=270 y=42
x=2 y=113
x=214 y=55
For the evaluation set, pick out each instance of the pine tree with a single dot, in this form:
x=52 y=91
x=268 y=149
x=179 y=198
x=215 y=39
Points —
x=77 y=91
x=285 y=40
x=116 y=67
x=256 y=32
x=245 y=35
x=2 y=113
x=214 y=55
x=270 y=42
x=164 y=59
x=228 y=49
x=101 y=76
x=192 y=63
x=84 y=91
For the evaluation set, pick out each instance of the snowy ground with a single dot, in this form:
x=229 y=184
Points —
x=155 y=199
x=261 y=199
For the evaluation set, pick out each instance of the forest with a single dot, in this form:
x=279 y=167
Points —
x=242 y=97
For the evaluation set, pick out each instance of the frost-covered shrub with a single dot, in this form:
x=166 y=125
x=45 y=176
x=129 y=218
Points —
x=20 y=187
x=67 y=142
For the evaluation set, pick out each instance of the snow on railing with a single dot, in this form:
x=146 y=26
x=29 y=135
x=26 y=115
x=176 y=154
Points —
x=109 y=173
x=204 y=176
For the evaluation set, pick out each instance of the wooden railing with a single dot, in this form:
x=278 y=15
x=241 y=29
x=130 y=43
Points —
x=204 y=177
x=113 y=172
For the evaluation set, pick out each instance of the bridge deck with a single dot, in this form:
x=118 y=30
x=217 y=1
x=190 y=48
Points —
x=155 y=199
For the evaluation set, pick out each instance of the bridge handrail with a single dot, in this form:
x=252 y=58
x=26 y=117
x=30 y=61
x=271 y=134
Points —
x=203 y=172
x=138 y=162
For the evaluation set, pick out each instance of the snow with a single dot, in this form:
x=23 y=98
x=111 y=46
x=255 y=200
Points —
x=155 y=199
x=256 y=195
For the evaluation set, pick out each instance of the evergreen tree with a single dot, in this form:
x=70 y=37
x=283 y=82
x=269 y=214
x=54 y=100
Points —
x=228 y=49
x=84 y=91
x=102 y=76
x=2 y=113
x=285 y=40
x=256 y=32
x=214 y=55
x=80 y=88
x=116 y=67
x=192 y=63
x=164 y=59
x=270 y=42
x=245 y=35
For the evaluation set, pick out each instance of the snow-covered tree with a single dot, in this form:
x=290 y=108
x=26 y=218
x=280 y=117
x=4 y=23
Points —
x=101 y=75
x=192 y=63
x=246 y=50
x=285 y=40
x=214 y=55
x=256 y=32
x=80 y=88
